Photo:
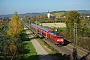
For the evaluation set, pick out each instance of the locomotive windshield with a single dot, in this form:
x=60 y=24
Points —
x=60 y=37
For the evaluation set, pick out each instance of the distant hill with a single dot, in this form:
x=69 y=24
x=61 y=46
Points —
x=63 y=13
x=84 y=11
x=8 y=15
x=22 y=15
x=80 y=11
x=53 y=13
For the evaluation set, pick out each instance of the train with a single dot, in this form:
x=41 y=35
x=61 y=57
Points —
x=48 y=33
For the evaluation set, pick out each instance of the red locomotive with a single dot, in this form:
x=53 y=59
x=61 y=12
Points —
x=57 y=38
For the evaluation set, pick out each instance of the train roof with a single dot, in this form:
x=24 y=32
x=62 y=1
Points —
x=37 y=25
x=44 y=28
x=56 y=33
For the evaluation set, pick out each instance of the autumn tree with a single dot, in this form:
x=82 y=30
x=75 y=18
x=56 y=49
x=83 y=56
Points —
x=15 y=28
x=71 y=18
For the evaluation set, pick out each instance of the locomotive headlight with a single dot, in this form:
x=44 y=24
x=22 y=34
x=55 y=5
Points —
x=58 y=40
x=62 y=40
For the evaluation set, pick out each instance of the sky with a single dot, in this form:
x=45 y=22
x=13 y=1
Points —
x=39 y=6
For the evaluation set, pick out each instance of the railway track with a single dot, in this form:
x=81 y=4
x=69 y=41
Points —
x=61 y=50
x=68 y=50
x=80 y=51
x=82 y=54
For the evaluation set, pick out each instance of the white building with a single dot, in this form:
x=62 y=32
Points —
x=48 y=15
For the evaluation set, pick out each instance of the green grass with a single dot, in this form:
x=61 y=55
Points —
x=24 y=37
x=57 y=13
x=29 y=52
x=1 y=27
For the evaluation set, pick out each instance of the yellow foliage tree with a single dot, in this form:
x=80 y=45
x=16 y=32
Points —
x=15 y=26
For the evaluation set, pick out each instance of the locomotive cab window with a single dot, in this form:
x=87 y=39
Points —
x=60 y=37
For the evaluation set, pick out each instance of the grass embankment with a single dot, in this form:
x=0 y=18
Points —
x=29 y=52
